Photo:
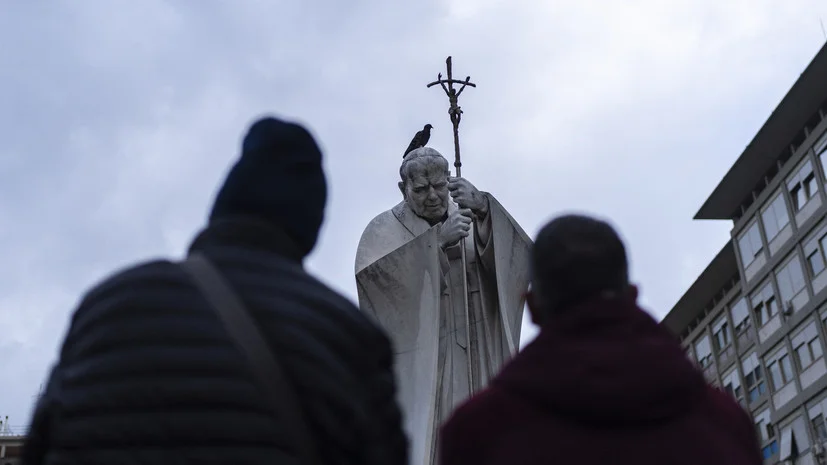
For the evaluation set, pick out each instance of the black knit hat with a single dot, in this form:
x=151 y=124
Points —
x=279 y=179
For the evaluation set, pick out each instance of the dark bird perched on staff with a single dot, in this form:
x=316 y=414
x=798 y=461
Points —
x=419 y=139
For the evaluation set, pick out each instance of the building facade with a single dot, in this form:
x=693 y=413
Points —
x=755 y=320
x=11 y=448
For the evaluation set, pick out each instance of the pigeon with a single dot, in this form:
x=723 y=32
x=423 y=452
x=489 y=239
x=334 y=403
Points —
x=419 y=139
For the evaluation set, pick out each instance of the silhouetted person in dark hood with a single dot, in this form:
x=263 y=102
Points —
x=149 y=374
x=603 y=383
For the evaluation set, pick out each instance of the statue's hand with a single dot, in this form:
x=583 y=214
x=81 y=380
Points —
x=467 y=196
x=456 y=227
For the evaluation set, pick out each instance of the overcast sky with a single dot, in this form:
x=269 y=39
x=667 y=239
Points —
x=118 y=120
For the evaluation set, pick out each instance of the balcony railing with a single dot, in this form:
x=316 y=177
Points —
x=745 y=338
x=711 y=372
x=10 y=431
x=726 y=355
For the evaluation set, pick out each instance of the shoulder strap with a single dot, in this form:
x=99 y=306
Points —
x=269 y=373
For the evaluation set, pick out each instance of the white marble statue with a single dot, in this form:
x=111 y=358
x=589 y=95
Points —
x=409 y=277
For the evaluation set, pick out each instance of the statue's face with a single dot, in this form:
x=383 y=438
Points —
x=426 y=190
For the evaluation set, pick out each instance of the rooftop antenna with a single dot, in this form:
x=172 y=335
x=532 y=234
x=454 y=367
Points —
x=823 y=31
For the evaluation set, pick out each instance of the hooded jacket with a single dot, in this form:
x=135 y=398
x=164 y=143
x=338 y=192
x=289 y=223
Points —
x=603 y=383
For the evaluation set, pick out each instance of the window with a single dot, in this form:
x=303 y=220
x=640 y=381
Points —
x=817 y=414
x=703 y=351
x=781 y=370
x=821 y=150
x=753 y=377
x=720 y=333
x=732 y=385
x=819 y=427
x=808 y=353
x=807 y=346
x=823 y=320
x=770 y=449
x=766 y=432
x=740 y=315
x=775 y=217
x=790 y=279
x=690 y=355
x=803 y=186
x=764 y=305
x=814 y=249
x=765 y=429
x=816 y=262
x=750 y=244
x=794 y=440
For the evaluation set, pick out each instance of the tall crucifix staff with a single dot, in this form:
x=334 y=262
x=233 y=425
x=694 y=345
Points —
x=455 y=112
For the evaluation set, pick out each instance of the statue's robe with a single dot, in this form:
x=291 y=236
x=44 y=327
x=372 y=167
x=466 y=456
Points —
x=414 y=290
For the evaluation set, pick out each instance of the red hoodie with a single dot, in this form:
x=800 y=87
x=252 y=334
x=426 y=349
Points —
x=603 y=383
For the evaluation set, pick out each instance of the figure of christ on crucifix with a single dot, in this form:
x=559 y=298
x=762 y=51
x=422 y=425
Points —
x=444 y=272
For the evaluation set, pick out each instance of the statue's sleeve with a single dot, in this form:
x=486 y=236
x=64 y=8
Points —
x=444 y=268
x=483 y=242
x=401 y=290
x=507 y=254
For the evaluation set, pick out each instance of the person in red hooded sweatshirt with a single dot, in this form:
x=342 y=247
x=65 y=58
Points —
x=603 y=382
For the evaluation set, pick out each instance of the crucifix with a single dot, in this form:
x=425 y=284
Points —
x=455 y=112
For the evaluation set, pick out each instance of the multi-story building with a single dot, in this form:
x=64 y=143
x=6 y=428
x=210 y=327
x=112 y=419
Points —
x=11 y=443
x=755 y=320
x=11 y=447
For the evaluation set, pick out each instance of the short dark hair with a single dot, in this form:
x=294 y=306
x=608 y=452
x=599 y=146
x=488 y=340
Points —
x=574 y=258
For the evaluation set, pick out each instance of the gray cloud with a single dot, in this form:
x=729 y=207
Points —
x=120 y=118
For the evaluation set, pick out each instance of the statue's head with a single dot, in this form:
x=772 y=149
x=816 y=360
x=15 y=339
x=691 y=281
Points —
x=424 y=185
